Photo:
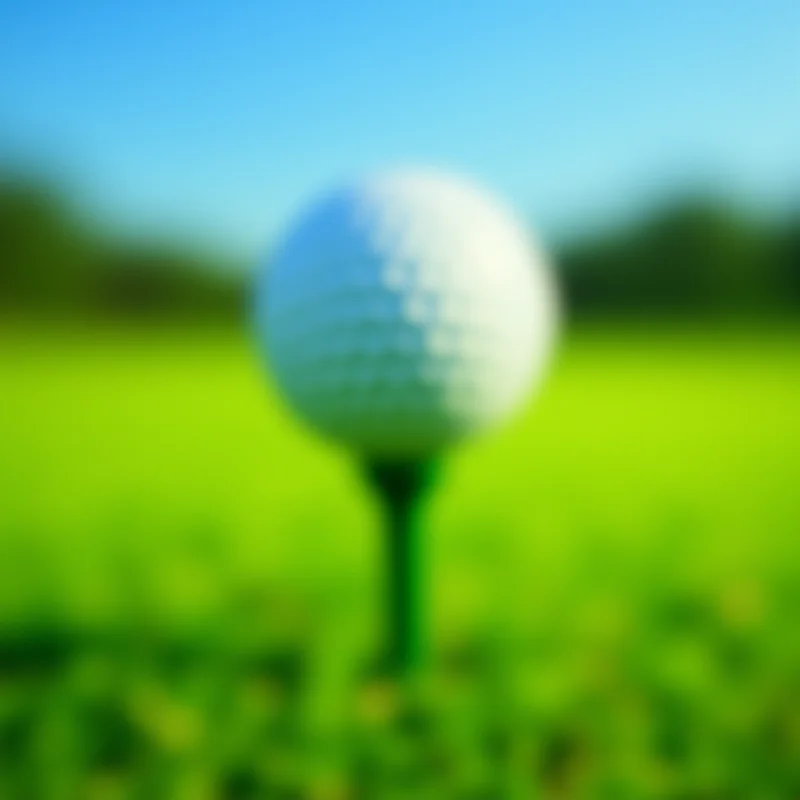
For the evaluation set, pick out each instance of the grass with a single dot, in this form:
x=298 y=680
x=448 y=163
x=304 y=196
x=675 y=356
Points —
x=190 y=582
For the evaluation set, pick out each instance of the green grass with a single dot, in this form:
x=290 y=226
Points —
x=190 y=582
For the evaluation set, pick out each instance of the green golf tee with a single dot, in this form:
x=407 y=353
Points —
x=402 y=488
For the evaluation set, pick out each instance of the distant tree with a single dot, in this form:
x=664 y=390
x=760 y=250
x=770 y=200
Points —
x=150 y=280
x=698 y=255
x=50 y=261
x=787 y=253
x=46 y=258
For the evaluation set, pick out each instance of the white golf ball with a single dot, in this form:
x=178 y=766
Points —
x=405 y=311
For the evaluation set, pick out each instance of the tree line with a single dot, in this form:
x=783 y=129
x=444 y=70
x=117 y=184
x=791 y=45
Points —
x=53 y=260
x=698 y=255
x=695 y=255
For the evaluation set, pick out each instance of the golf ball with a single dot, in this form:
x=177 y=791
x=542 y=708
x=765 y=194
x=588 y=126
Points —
x=405 y=311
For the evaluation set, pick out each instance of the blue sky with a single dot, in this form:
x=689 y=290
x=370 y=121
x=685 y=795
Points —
x=218 y=118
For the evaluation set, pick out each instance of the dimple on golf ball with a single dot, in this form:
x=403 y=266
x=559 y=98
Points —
x=405 y=311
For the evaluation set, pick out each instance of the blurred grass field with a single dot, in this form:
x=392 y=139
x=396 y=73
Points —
x=190 y=582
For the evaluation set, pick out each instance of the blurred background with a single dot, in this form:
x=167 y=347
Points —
x=190 y=583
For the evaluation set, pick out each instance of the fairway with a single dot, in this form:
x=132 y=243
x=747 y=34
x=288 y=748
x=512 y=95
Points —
x=621 y=561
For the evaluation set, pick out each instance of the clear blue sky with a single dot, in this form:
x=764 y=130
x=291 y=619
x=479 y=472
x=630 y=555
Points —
x=221 y=116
